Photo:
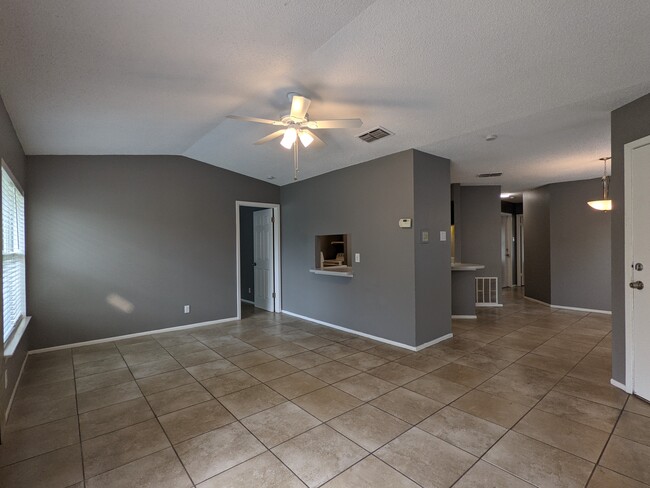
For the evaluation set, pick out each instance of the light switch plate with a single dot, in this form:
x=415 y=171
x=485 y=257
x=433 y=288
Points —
x=443 y=235
x=425 y=236
x=357 y=257
x=186 y=309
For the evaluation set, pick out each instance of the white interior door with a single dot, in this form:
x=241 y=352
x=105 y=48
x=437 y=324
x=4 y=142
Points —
x=506 y=249
x=637 y=236
x=263 y=258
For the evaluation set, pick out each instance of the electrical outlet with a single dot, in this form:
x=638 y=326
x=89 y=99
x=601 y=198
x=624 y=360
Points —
x=250 y=291
x=186 y=309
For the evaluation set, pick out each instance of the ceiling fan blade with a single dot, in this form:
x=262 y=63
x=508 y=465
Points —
x=270 y=137
x=299 y=106
x=317 y=140
x=255 y=119
x=334 y=124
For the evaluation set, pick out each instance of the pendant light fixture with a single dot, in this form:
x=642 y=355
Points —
x=605 y=204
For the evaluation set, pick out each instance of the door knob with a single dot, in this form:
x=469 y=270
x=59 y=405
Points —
x=638 y=266
x=637 y=285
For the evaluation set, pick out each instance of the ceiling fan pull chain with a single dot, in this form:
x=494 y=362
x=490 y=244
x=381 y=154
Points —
x=295 y=161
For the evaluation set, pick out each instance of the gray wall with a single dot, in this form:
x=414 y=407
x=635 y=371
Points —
x=481 y=228
x=432 y=259
x=158 y=231
x=12 y=152
x=537 y=244
x=629 y=123
x=365 y=201
x=580 y=247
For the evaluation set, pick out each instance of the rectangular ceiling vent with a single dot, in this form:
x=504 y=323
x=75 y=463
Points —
x=375 y=134
x=488 y=175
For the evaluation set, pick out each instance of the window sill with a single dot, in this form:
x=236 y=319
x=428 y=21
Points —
x=14 y=340
x=334 y=271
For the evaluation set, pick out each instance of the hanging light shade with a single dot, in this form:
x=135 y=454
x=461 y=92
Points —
x=605 y=204
x=305 y=137
x=289 y=138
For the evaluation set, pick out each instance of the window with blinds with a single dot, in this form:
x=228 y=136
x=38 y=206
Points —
x=13 y=255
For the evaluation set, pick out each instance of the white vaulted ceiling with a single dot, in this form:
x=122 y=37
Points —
x=159 y=77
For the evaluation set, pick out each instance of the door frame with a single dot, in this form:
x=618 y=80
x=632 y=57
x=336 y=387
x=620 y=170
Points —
x=629 y=293
x=519 y=218
x=277 y=270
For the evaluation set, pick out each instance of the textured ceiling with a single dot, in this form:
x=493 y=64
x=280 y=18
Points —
x=159 y=76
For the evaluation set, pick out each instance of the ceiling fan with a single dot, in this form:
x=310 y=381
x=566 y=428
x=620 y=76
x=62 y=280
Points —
x=297 y=126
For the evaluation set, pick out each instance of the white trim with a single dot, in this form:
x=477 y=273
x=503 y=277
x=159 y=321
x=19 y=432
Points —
x=629 y=255
x=620 y=385
x=464 y=317
x=129 y=336
x=13 y=393
x=370 y=336
x=16 y=336
x=488 y=305
x=433 y=342
x=578 y=309
x=247 y=301
x=277 y=271
x=537 y=301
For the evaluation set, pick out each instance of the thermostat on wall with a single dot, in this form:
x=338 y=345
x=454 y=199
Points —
x=406 y=223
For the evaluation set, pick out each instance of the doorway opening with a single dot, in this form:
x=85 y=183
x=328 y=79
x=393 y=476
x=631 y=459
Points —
x=258 y=256
x=507 y=250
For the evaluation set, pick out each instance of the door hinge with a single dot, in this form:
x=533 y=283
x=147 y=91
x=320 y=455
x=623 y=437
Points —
x=273 y=294
x=273 y=220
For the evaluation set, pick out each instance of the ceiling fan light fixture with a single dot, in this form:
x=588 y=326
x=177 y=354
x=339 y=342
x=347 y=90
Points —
x=289 y=138
x=305 y=138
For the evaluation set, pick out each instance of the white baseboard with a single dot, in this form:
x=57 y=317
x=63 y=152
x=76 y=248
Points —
x=488 y=305
x=129 y=336
x=13 y=393
x=537 y=301
x=247 y=301
x=464 y=317
x=370 y=336
x=620 y=385
x=578 y=309
x=575 y=309
x=434 y=342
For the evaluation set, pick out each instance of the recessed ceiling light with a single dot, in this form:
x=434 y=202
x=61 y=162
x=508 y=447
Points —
x=270 y=177
x=491 y=137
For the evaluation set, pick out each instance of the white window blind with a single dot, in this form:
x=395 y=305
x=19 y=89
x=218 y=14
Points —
x=13 y=255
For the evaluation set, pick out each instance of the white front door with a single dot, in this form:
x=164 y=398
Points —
x=263 y=258
x=637 y=177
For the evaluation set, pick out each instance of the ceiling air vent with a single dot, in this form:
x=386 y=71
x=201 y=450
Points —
x=488 y=175
x=375 y=134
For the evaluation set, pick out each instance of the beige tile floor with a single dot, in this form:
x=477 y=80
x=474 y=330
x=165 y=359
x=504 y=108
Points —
x=519 y=398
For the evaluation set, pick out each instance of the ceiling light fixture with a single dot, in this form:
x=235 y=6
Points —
x=605 y=204
x=289 y=138
x=306 y=138
x=297 y=124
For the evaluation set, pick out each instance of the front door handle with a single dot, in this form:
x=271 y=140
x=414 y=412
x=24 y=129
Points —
x=637 y=285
